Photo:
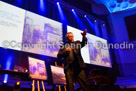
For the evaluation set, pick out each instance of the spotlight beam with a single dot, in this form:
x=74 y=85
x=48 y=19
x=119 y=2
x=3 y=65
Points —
x=80 y=23
x=62 y=16
x=42 y=6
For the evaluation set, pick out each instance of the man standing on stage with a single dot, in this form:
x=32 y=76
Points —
x=73 y=62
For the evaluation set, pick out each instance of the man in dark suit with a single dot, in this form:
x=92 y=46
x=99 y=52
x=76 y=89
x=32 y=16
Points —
x=73 y=61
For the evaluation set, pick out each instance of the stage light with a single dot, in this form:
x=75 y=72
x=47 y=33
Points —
x=61 y=13
x=42 y=8
x=18 y=83
x=84 y=15
x=5 y=78
x=73 y=10
x=42 y=4
x=57 y=3
x=90 y=23
x=18 y=2
x=5 y=81
x=8 y=67
x=80 y=23
x=103 y=24
x=17 y=86
x=96 y=27
x=9 y=62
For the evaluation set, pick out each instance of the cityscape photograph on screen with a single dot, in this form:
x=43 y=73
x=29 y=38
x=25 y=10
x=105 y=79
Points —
x=42 y=35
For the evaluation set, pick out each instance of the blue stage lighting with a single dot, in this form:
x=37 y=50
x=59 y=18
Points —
x=96 y=27
x=9 y=62
x=73 y=10
x=5 y=78
x=5 y=81
x=80 y=23
x=18 y=2
x=8 y=67
x=57 y=3
x=90 y=23
x=85 y=16
x=103 y=24
x=42 y=6
x=61 y=13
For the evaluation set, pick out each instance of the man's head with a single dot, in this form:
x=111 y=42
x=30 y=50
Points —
x=70 y=37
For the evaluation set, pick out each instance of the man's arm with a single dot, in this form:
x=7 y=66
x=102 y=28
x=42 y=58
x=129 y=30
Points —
x=84 y=40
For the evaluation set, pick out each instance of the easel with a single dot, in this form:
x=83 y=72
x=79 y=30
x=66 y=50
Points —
x=33 y=87
x=59 y=86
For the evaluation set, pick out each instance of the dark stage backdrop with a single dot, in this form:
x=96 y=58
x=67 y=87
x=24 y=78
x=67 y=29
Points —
x=131 y=27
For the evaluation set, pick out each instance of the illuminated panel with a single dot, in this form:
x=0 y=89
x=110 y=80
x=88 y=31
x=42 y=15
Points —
x=37 y=69
x=58 y=75
x=11 y=26
x=95 y=52
x=41 y=35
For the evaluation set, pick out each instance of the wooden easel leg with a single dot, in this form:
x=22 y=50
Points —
x=59 y=87
x=43 y=85
x=33 y=87
x=38 y=85
x=65 y=88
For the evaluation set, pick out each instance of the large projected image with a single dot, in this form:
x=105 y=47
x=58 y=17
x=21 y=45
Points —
x=11 y=25
x=95 y=52
x=98 y=51
x=29 y=32
x=58 y=75
x=37 y=69
x=41 y=35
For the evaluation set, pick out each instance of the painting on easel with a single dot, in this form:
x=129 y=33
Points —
x=37 y=69
x=58 y=75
